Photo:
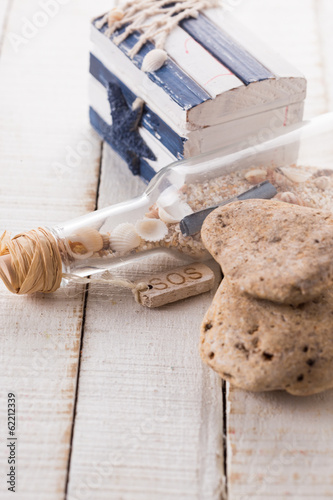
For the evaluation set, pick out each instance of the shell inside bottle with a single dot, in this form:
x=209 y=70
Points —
x=300 y=169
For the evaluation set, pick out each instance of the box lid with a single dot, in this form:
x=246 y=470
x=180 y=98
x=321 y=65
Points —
x=216 y=72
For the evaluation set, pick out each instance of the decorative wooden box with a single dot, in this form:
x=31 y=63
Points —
x=218 y=86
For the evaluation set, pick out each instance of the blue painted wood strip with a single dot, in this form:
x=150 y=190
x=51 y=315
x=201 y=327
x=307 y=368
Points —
x=101 y=127
x=177 y=84
x=226 y=50
x=150 y=120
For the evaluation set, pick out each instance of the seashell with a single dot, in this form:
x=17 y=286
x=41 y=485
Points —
x=85 y=242
x=153 y=212
x=154 y=60
x=124 y=238
x=295 y=174
x=289 y=197
x=165 y=217
x=115 y=15
x=256 y=175
x=151 y=229
x=106 y=241
x=79 y=252
x=322 y=182
x=168 y=198
x=277 y=178
x=175 y=213
x=324 y=171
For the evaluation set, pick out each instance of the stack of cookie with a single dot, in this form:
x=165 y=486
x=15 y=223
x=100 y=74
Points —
x=270 y=325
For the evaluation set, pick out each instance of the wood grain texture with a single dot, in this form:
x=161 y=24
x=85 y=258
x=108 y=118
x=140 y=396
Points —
x=325 y=33
x=4 y=13
x=149 y=414
x=43 y=119
x=148 y=422
x=177 y=284
x=280 y=446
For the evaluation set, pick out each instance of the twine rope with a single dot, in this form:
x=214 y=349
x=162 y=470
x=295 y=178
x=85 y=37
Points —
x=31 y=262
x=153 y=19
x=135 y=287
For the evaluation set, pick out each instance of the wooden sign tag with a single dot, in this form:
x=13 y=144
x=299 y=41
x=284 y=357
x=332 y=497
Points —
x=177 y=284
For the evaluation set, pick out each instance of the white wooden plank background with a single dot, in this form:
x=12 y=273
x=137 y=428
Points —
x=148 y=414
x=4 y=14
x=280 y=446
x=41 y=96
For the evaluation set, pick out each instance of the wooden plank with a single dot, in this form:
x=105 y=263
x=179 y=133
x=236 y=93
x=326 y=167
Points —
x=280 y=446
x=324 y=18
x=213 y=76
x=170 y=77
x=4 y=11
x=49 y=161
x=149 y=414
x=227 y=51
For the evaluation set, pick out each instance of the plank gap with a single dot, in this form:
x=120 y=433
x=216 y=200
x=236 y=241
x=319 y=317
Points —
x=86 y=288
x=86 y=293
x=98 y=183
x=225 y=436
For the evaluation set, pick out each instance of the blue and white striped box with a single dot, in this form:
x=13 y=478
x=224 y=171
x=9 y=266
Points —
x=219 y=86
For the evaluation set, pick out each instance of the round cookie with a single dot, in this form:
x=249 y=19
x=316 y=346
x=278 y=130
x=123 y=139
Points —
x=258 y=345
x=272 y=250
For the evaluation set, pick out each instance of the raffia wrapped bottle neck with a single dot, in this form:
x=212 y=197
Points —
x=30 y=262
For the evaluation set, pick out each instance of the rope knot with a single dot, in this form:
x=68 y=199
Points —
x=139 y=287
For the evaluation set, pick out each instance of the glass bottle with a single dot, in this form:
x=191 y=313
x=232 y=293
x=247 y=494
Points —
x=298 y=164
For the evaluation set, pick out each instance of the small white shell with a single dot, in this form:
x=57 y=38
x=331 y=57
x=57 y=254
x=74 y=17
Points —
x=175 y=213
x=168 y=198
x=165 y=217
x=124 y=238
x=153 y=213
x=295 y=174
x=106 y=241
x=115 y=15
x=154 y=60
x=289 y=197
x=322 y=182
x=277 y=178
x=81 y=256
x=85 y=242
x=151 y=229
x=256 y=175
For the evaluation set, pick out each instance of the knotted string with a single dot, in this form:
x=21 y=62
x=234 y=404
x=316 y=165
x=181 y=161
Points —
x=154 y=20
x=31 y=262
x=135 y=287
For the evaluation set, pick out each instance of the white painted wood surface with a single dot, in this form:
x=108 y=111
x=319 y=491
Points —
x=148 y=418
x=280 y=446
x=42 y=117
x=4 y=14
x=149 y=414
